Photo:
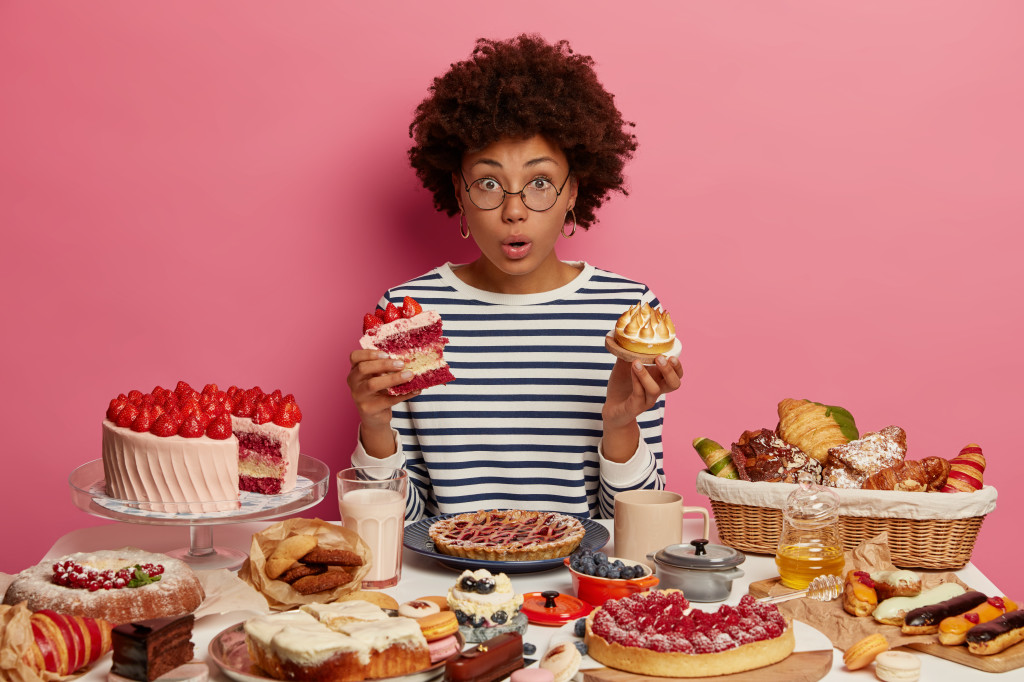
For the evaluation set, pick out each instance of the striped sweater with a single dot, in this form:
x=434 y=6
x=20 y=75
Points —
x=520 y=427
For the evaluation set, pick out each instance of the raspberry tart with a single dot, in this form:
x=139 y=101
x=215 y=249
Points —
x=120 y=586
x=507 y=535
x=189 y=451
x=412 y=335
x=651 y=633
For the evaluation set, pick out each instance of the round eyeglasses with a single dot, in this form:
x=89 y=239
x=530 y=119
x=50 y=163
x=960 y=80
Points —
x=539 y=194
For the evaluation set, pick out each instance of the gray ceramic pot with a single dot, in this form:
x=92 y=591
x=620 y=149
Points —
x=704 y=572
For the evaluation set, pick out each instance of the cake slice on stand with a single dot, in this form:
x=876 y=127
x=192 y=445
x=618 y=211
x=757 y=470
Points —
x=412 y=335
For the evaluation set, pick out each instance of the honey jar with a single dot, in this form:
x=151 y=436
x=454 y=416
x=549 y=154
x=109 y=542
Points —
x=809 y=545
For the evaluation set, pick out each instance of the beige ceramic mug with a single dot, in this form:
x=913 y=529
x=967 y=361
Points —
x=650 y=520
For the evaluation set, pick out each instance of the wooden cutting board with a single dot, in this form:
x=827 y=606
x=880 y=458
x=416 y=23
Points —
x=1008 y=659
x=803 y=666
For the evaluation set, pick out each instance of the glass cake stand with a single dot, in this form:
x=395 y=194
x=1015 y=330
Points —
x=89 y=493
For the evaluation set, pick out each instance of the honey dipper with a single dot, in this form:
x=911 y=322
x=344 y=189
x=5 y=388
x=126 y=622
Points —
x=822 y=588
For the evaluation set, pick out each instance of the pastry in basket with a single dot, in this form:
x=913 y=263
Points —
x=850 y=464
x=926 y=475
x=684 y=642
x=763 y=456
x=507 y=535
x=953 y=629
x=51 y=642
x=966 y=471
x=814 y=428
x=859 y=595
x=719 y=460
x=924 y=620
x=893 y=611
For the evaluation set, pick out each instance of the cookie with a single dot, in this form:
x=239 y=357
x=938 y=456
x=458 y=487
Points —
x=301 y=571
x=379 y=598
x=864 y=651
x=442 y=602
x=312 y=584
x=332 y=557
x=287 y=552
x=418 y=608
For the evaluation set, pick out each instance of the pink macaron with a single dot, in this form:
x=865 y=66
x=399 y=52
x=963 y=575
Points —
x=441 y=649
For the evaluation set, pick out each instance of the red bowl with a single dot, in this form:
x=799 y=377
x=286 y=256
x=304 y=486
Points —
x=596 y=591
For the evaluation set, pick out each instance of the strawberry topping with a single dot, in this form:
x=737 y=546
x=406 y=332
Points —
x=219 y=427
x=391 y=313
x=410 y=307
x=371 y=321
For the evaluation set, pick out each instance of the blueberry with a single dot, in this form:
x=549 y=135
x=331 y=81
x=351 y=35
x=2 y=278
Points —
x=461 y=617
x=614 y=573
x=478 y=622
x=602 y=571
x=618 y=564
x=628 y=573
x=600 y=558
x=529 y=649
x=579 y=628
x=499 y=617
x=485 y=585
x=582 y=647
x=467 y=584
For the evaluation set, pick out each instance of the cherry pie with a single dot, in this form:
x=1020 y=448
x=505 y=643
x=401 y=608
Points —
x=650 y=633
x=507 y=535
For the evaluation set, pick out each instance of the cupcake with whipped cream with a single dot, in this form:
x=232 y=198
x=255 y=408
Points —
x=485 y=605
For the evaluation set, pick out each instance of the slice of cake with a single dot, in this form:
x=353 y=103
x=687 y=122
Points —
x=409 y=334
x=150 y=648
x=267 y=429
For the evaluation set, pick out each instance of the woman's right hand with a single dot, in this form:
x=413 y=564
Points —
x=372 y=374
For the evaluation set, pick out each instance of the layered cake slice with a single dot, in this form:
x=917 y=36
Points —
x=412 y=335
x=147 y=649
x=267 y=429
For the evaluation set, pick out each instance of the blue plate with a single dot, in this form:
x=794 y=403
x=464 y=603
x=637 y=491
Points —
x=417 y=539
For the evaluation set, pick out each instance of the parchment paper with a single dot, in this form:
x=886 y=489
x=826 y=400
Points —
x=839 y=626
x=280 y=596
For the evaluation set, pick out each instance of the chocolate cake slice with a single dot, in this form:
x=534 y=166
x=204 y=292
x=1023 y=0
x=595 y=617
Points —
x=147 y=649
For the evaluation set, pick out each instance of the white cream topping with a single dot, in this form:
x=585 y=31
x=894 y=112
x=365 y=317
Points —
x=476 y=604
x=345 y=611
x=381 y=634
x=895 y=577
x=893 y=608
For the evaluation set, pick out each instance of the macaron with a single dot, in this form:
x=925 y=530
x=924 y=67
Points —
x=443 y=648
x=864 y=651
x=532 y=675
x=442 y=602
x=897 y=666
x=563 y=660
x=438 y=625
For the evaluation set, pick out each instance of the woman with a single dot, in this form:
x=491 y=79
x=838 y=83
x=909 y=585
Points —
x=523 y=143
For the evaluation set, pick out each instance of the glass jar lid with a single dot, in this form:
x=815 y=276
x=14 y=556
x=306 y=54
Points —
x=700 y=555
x=811 y=502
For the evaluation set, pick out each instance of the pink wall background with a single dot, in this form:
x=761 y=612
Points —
x=827 y=196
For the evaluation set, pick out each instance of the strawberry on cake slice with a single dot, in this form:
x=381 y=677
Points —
x=412 y=335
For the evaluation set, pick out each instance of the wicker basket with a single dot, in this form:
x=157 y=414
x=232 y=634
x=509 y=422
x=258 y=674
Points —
x=934 y=543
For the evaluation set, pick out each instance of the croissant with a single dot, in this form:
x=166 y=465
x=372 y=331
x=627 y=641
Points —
x=928 y=474
x=718 y=459
x=967 y=471
x=52 y=642
x=814 y=427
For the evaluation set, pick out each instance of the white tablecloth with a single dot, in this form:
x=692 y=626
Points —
x=423 y=576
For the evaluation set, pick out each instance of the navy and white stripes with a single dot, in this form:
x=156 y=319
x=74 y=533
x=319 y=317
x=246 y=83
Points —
x=520 y=427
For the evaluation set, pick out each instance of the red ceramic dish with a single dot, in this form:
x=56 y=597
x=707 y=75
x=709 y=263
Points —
x=596 y=591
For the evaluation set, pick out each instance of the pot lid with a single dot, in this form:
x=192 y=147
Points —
x=553 y=608
x=701 y=555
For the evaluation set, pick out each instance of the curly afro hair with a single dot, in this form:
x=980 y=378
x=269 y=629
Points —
x=518 y=88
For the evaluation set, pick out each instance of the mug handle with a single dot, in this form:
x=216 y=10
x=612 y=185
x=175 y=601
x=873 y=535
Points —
x=707 y=521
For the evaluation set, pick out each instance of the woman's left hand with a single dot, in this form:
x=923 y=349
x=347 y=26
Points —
x=633 y=388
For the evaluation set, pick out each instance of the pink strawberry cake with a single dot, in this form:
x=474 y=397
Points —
x=413 y=336
x=184 y=450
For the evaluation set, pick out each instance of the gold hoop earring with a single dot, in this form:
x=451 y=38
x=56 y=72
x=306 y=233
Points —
x=573 y=231
x=464 y=231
